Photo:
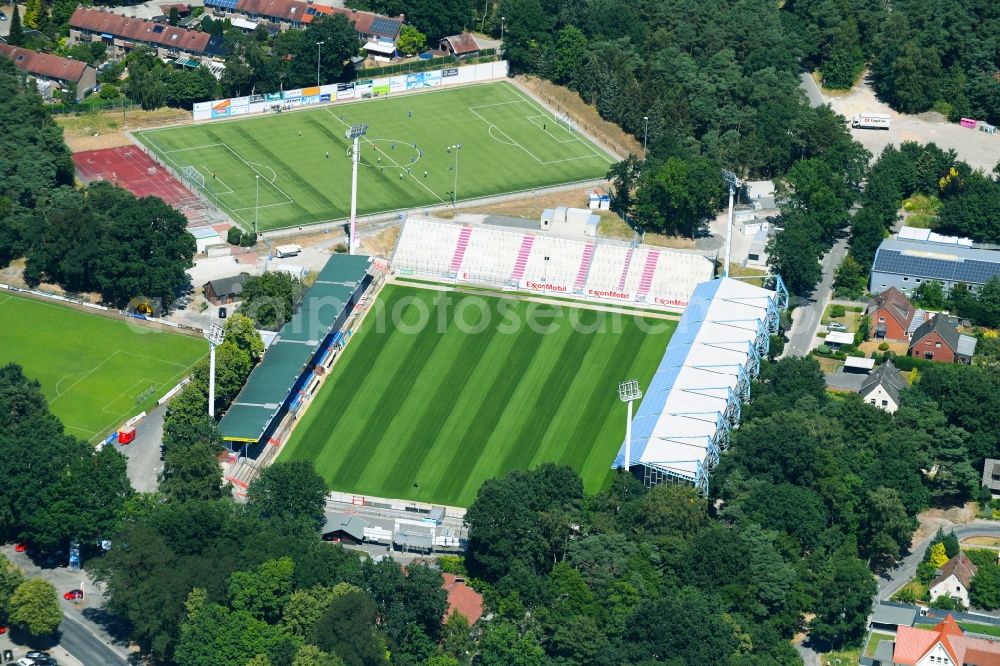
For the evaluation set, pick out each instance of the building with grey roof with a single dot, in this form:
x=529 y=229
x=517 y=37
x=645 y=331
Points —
x=991 y=476
x=906 y=263
x=938 y=339
x=882 y=387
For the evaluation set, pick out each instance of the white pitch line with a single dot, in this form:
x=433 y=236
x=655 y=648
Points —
x=417 y=180
x=181 y=150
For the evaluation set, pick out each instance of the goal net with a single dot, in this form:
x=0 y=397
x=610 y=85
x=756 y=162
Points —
x=192 y=175
x=565 y=121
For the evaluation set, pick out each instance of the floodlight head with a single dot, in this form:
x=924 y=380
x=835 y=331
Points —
x=629 y=390
x=215 y=335
x=356 y=131
x=731 y=179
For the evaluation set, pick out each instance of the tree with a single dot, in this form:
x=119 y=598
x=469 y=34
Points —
x=289 y=492
x=263 y=593
x=850 y=279
x=310 y=655
x=792 y=254
x=570 y=52
x=34 y=607
x=624 y=175
x=843 y=603
x=504 y=645
x=191 y=472
x=347 y=629
x=10 y=579
x=32 y=13
x=885 y=529
x=846 y=58
x=985 y=589
x=174 y=16
x=240 y=331
x=938 y=556
x=411 y=40
x=16 y=35
x=269 y=299
x=680 y=196
x=930 y=294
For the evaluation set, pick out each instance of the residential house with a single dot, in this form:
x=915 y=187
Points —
x=462 y=599
x=225 y=290
x=944 y=645
x=123 y=33
x=463 y=45
x=882 y=387
x=954 y=579
x=377 y=33
x=890 y=313
x=991 y=476
x=938 y=339
x=46 y=67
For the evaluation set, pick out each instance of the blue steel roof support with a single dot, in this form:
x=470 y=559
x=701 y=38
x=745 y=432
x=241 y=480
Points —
x=743 y=383
x=753 y=361
x=781 y=292
x=701 y=479
x=734 y=408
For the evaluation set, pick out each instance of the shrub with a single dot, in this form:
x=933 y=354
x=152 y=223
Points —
x=837 y=311
x=108 y=91
x=883 y=346
x=823 y=350
x=340 y=248
x=234 y=236
x=249 y=239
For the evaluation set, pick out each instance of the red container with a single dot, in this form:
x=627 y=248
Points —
x=126 y=435
x=967 y=122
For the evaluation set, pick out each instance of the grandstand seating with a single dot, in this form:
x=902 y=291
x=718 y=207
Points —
x=601 y=269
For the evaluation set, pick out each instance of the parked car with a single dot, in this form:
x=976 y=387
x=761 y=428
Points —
x=836 y=326
x=73 y=594
x=3 y=17
x=20 y=547
x=3 y=630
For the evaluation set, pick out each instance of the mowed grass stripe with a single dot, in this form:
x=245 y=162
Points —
x=428 y=426
x=474 y=405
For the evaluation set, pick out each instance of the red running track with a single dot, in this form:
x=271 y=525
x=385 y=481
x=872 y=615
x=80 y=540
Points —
x=129 y=167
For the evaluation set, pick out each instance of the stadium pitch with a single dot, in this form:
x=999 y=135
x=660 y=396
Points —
x=443 y=390
x=95 y=371
x=301 y=160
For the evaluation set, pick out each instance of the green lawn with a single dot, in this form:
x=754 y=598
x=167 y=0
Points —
x=873 y=641
x=413 y=413
x=508 y=142
x=92 y=368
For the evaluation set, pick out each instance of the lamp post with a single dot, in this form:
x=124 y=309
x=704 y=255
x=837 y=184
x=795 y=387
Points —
x=503 y=21
x=256 y=208
x=733 y=183
x=319 y=49
x=354 y=133
x=629 y=392
x=215 y=335
x=645 y=135
x=454 y=192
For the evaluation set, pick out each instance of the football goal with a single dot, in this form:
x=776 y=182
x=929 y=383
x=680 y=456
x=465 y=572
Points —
x=193 y=176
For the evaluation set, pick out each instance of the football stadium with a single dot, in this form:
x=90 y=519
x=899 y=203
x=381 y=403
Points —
x=422 y=149
x=103 y=372
x=481 y=349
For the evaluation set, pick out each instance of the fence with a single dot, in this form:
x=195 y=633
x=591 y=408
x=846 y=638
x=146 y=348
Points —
x=94 y=105
x=486 y=55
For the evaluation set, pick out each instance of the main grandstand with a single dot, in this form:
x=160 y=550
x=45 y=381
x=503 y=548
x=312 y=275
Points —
x=592 y=268
x=277 y=385
x=694 y=400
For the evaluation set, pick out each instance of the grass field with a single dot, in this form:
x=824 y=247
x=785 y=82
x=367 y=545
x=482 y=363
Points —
x=508 y=142
x=428 y=413
x=92 y=369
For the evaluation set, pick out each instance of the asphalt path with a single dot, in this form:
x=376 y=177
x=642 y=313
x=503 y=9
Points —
x=808 y=84
x=806 y=317
x=81 y=642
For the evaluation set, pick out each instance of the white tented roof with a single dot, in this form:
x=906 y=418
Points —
x=712 y=347
x=840 y=338
x=859 y=363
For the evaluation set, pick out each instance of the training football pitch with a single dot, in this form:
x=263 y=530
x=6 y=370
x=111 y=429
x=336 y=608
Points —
x=428 y=412
x=299 y=162
x=95 y=372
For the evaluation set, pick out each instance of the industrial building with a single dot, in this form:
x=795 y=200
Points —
x=694 y=399
x=905 y=263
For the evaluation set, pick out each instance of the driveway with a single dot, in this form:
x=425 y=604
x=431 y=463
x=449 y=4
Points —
x=143 y=453
x=806 y=317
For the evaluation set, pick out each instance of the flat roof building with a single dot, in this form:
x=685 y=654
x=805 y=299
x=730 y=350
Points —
x=906 y=263
x=695 y=397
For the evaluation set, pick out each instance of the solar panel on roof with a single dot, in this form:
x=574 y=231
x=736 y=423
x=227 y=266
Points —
x=384 y=26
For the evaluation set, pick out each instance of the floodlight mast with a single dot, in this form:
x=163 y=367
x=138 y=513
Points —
x=354 y=133
x=734 y=184
x=215 y=335
x=628 y=392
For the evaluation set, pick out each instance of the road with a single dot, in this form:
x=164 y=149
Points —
x=78 y=639
x=808 y=84
x=907 y=569
x=806 y=318
x=143 y=453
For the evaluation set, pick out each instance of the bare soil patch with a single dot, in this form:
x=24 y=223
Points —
x=105 y=129
x=381 y=244
x=929 y=521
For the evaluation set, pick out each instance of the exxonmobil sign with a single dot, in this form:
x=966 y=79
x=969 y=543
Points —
x=676 y=302
x=610 y=293
x=544 y=286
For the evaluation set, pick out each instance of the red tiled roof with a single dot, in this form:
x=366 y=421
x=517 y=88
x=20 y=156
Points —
x=962 y=567
x=462 y=599
x=44 y=64
x=463 y=43
x=895 y=302
x=912 y=644
x=288 y=10
x=139 y=30
x=181 y=8
x=365 y=23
